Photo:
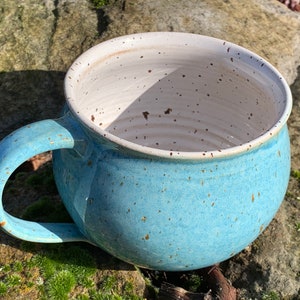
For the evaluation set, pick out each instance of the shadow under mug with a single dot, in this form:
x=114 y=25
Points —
x=173 y=153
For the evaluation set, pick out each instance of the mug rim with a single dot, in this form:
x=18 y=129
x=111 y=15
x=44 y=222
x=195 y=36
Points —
x=82 y=62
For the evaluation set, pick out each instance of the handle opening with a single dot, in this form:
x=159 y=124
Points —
x=22 y=145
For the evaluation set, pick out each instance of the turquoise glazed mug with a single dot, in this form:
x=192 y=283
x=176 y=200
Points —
x=173 y=153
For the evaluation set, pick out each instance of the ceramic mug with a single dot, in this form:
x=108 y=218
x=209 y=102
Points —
x=173 y=155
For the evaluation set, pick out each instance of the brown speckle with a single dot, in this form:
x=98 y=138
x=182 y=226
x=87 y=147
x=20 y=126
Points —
x=144 y=219
x=146 y=114
x=168 y=111
x=2 y=223
x=147 y=237
x=149 y=71
x=228 y=49
x=252 y=198
x=92 y=118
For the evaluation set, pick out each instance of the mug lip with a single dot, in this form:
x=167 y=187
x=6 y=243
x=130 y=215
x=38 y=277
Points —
x=82 y=63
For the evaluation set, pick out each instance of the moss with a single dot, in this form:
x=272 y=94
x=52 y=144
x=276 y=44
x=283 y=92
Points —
x=17 y=266
x=100 y=3
x=13 y=279
x=69 y=272
x=194 y=283
x=110 y=289
x=42 y=181
x=60 y=285
x=3 y=288
x=295 y=174
x=46 y=210
x=270 y=296
x=63 y=268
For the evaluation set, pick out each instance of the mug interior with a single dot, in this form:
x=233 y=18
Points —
x=177 y=93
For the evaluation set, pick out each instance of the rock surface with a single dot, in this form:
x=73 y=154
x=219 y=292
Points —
x=40 y=39
x=265 y=27
x=46 y=36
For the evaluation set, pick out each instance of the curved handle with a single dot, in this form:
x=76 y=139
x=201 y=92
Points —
x=18 y=147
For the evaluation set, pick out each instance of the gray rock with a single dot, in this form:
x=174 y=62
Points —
x=266 y=27
x=39 y=41
x=48 y=35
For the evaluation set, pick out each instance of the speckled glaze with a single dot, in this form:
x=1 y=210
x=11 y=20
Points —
x=173 y=153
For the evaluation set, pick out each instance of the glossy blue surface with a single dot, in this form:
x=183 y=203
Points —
x=14 y=150
x=156 y=213
x=172 y=215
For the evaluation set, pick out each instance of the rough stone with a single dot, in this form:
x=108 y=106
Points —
x=266 y=27
x=38 y=42
x=272 y=262
x=48 y=35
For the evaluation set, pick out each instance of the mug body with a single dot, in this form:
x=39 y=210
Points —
x=187 y=154
x=173 y=216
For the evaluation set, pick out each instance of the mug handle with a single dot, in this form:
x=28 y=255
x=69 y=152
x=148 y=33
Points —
x=17 y=148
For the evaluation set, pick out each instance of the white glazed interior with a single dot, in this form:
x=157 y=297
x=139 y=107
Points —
x=180 y=95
